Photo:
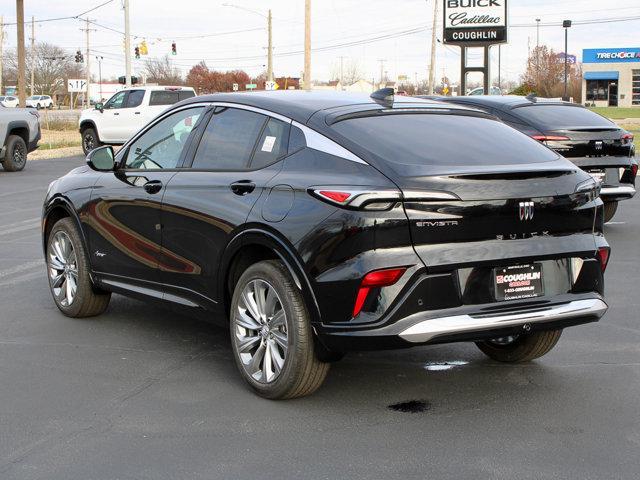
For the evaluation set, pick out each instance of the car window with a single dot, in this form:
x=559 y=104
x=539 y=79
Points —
x=161 y=146
x=553 y=117
x=432 y=139
x=116 y=101
x=184 y=94
x=163 y=97
x=272 y=144
x=135 y=98
x=228 y=141
x=2 y=99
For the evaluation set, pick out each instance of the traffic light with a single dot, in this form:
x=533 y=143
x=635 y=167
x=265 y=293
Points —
x=79 y=57
x=143 y=48
x=137 y=52
x=173 y=49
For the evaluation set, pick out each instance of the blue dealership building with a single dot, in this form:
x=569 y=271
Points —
x=611 y=77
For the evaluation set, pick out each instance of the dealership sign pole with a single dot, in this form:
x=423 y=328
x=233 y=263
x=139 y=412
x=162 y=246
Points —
x=474 y=24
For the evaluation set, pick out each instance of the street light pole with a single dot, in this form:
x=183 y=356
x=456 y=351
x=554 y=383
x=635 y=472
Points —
x=99 y=59
x=566 y=24
x=127 y=46
x=307 y=44
x=432 y=66
x=270 y=51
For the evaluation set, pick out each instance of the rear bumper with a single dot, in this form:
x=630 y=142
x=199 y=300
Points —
x=427 y=330
x=472 y=324
x=618 y=192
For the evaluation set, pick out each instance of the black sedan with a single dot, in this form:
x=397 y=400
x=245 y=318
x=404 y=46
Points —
x=591 y=141
x=312 y=224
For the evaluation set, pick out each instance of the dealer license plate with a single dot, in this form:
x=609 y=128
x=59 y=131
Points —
x=518 y=281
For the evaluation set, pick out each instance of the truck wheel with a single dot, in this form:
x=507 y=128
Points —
x=69 y=276
x=50 y=107
x=610 y=210
x=38 y=106
x=520 y=348
x=271 y=334
x=15 y=157
x=90 y=140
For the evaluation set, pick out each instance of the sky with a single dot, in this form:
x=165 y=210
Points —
x=226 y=35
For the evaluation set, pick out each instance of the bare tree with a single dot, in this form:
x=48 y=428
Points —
x=351 y=71
x=545 y=74
x=162 y=71
x=52 y=66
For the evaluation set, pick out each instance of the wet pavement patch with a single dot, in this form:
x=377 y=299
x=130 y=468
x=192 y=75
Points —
x=412 y=406
x=436 y=366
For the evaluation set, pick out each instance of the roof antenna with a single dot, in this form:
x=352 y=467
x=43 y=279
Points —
x=384 y=97
x=532 y=97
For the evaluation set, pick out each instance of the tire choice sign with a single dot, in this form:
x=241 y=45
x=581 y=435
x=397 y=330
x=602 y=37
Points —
x=475 y=22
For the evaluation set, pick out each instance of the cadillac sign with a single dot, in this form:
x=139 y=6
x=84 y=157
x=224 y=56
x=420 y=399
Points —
x=475 y=22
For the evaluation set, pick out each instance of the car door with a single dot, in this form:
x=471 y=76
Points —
x=109 y=121
x=124 y=212
x=131 y=120
x=238 y=152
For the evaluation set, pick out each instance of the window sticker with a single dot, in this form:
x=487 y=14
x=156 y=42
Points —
x=269 y=142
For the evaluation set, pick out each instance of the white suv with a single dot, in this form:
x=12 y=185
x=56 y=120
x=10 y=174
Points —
x=125 y=113
x=39 y=101
x=9 y=101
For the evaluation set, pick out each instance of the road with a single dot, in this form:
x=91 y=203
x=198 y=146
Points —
x=141 y=393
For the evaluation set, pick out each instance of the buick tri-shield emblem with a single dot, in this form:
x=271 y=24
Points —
x=525 y=211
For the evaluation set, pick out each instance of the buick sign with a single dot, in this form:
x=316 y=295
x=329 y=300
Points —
x=475 y=22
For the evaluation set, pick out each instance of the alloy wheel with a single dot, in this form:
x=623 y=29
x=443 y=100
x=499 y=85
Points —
x=63 y=269
x=260 y=331
x=19 y=154
x=89 y=143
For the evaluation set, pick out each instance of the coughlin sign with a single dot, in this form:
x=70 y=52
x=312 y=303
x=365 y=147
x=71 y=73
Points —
x=476 y=22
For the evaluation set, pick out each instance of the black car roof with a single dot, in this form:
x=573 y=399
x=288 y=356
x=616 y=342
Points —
x=502 y=101
x=300 y=105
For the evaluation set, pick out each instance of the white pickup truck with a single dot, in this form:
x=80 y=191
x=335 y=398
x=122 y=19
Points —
x=126 y=112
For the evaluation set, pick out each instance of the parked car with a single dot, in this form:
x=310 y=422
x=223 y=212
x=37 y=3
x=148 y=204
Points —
x=20 y=130
x=126 y=112
x=591 y=141
x=39 y=101
x=9 y=101
x=297 y=221
x=480 y=91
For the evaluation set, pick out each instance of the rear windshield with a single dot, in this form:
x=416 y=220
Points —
x=555 y=117
x=433 y=139
x=169 y=97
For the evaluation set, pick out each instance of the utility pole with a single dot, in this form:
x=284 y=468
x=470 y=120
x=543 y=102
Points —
x=22 y=97
x=537 y=51
x=270 y=50
x=307 y=44
x=566 y=24
x=499 y=67
x=127 y=46
x=87 y=100
x=432 y=66
x=33 y=55
x=341 y=71
x=1 y=48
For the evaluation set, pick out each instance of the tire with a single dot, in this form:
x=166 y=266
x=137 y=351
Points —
x=38 y=106
x=90 y=140
x=290 y=373
x=609 y=210
x=67 y=264
x=50 y=107
x=522 y=348
x=15 y=157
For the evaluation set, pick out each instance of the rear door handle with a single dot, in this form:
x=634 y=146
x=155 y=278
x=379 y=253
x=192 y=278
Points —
x=136 y=113
x=116 y=113
x=243 y=187
x=153 y=186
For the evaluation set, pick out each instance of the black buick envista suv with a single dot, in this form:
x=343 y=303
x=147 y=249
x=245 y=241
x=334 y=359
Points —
x=311 y=224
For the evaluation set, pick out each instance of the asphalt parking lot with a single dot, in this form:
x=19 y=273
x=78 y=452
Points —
x=141 y=393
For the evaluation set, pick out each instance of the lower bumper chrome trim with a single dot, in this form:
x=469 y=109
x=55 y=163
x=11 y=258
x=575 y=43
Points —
x=428 y=329
x=628 y=190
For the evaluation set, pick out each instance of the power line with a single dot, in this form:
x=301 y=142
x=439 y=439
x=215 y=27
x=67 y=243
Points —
x=71 y=17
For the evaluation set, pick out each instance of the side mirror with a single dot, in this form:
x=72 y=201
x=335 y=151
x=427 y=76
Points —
x=99 y=106
x=101 y=159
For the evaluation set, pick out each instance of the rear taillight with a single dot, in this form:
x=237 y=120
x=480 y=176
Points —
x=377 y=278
x=634 y=170
x=627 y=138
x=603 y=257
x=549 y=138
x=361 y=198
